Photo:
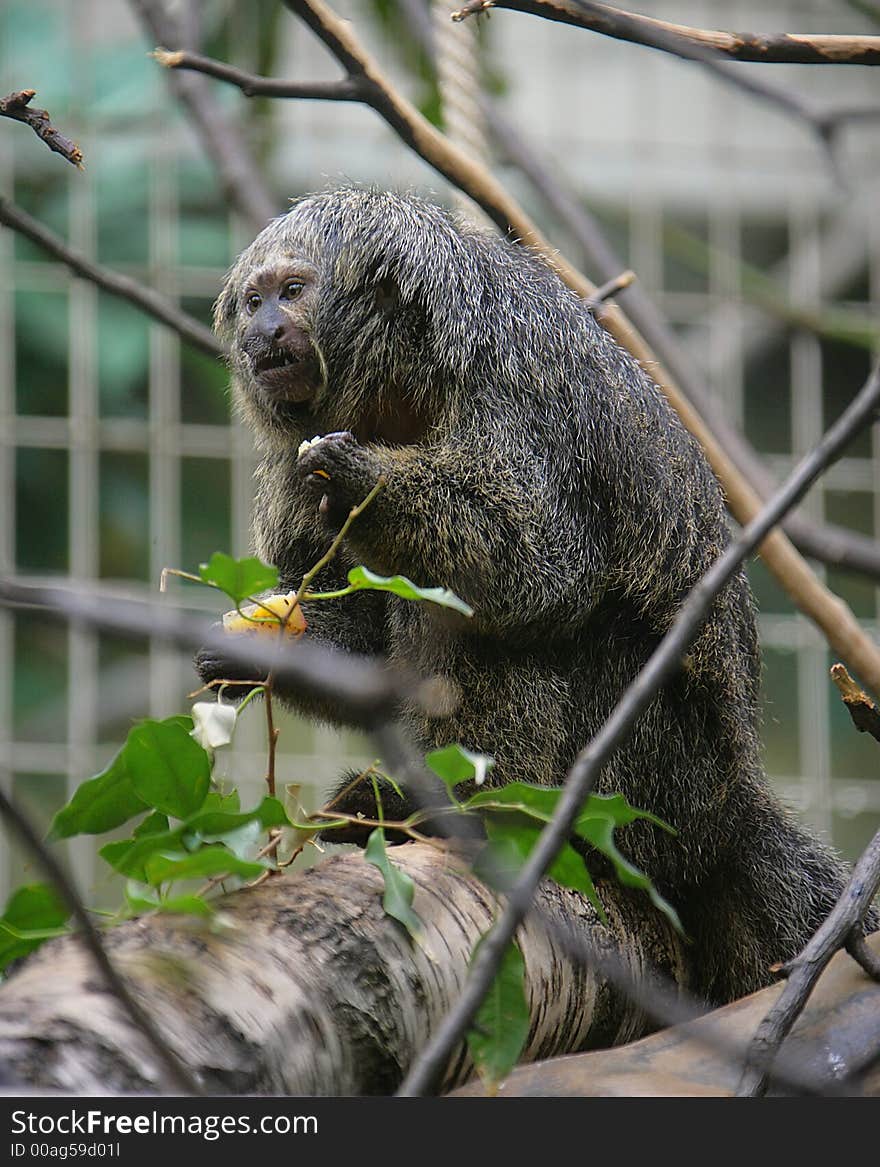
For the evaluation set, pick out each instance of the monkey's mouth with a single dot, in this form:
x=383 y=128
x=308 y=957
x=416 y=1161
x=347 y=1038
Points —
x=280 y=358
x=283 y=374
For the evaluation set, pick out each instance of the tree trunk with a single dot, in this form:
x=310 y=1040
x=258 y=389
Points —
x=304 y=985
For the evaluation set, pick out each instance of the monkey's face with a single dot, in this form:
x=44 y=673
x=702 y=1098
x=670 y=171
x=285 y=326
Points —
x=273 y=347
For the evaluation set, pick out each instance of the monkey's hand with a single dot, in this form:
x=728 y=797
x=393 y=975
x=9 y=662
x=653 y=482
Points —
x=212 y=667
x=358 y=799
x=338 y=472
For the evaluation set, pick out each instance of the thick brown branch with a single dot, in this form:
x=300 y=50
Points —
x=17 y=106
x=267 y=1003
x=126 y=288
x=783 y=48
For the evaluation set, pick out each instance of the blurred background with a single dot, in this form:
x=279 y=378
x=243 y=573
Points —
x=118 y=455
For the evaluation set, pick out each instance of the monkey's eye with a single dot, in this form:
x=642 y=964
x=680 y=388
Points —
x=252 y=302
x=291 y=289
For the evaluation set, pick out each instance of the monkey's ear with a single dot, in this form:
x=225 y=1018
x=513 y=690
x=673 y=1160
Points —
x=225 y=309
x=387 y=295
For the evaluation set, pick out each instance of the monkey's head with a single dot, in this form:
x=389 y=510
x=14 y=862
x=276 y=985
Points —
x=355 y=311
x=277 y=366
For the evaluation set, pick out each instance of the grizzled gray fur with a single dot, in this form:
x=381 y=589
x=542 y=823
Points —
x=533 y=468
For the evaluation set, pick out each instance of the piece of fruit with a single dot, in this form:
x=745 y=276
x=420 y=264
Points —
x=272 y=616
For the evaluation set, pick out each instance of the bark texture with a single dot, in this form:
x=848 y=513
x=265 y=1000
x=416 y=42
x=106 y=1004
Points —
x=305 y=986
x=836 y=1040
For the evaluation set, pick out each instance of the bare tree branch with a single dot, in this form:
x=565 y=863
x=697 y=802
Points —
x=222 y=140
x=805 y=969
x=662 y=664
x=863 y=955
x=17 y=106
x=176 y=1075
x=609 y=289
x=252 y=85
x=267 y=1003
x=782 y=48
x=186 y=327
x=825 y=124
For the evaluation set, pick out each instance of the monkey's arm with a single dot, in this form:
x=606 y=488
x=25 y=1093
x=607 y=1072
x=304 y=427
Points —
x=445 y=517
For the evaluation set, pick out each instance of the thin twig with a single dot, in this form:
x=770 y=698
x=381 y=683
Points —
x=186 y=327
x=806 y=968
x=17 y=106
x=252 y=85
x=663 y=663
x=824 y=124
x=609 y=289
x=272 y=733
x=782 y=48
x=857 y=947
x=177 y=1076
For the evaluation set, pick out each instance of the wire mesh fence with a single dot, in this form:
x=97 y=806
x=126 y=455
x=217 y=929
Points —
x=118 y=455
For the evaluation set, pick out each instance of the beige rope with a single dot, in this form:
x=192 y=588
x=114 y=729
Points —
x=456 y=55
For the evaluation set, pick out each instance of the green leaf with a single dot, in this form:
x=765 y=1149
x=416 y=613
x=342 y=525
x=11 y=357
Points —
x=501 y=1026
x=540 y=802
x=129 y=856
x=34 y=913
x=212 y=825
x=160 y=766
x=362 y=577
x=454 y=764
x=512 y=838
x=616 y=807
x=203 y=864
x=140 y=900
x=225 y=803
x=239 y=578
x=168 y=770
x=100 y=804
x=595 y=825
x=599 y=832
x=399 y=888
x=155 y=823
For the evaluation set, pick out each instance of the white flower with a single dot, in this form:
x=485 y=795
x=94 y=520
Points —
x=213 y=724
